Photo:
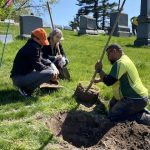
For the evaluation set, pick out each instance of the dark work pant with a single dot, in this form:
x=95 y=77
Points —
x=32 y=80
x=126 y=109
x=134 y=29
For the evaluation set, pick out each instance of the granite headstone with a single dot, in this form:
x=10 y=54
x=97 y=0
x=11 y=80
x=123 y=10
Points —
x=143 y=30
x=28 y=24
x=87 y=25
x=67 y=28
x=122 y=25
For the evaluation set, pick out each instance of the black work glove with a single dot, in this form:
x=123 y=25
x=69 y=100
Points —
x=98 y=66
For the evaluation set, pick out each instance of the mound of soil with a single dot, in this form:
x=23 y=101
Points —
x=93 y=131
x=90 y=96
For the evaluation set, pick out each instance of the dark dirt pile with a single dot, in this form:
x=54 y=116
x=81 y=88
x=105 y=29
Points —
x=92 y=131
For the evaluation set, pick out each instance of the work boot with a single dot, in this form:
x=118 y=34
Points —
x=24 y=92
x=146 y=111
x=144 y=118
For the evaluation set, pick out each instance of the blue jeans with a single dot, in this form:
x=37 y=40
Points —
x=32 y=80
x=126 y=108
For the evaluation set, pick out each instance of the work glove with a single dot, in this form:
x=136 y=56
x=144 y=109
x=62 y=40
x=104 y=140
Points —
x=63 y=62
x=58 y=57
x=97 y=80
x=98 y=66
x=54 y=68
x=55 y=72
x=54 y=77
x=67 y=62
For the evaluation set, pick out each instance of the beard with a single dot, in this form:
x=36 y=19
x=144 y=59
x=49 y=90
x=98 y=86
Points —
x=112 y=61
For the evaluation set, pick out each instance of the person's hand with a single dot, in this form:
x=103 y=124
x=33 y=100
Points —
x=62 y=62
x=56 y=72
x=58 y=57
x=97 y=80
x=55 y=75
x=54 y=68
x=98 y=66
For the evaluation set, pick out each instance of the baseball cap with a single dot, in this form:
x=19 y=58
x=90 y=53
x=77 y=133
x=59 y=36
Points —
x=41 y=35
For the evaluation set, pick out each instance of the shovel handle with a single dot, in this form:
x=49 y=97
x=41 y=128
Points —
x=106 y=45
x=49 y=10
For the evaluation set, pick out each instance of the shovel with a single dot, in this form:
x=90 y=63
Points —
x=64 y=73
x=89 y=93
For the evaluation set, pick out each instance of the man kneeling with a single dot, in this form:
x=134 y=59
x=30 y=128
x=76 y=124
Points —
x=130 y=97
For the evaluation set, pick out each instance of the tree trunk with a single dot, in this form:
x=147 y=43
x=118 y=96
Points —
x=95 y=15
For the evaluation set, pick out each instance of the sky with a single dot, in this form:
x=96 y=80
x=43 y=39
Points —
x=65 y=10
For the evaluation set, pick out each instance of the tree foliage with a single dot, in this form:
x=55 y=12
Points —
x=99 y=9
x=74 y=24
x=27 y=7
x=4 y=11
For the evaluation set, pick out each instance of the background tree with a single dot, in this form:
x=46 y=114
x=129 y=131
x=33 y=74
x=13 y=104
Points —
x=99 y=9
x=4 y=11
x=74 y=24
x=86 y=7
x=104 y=12
x=25 y=7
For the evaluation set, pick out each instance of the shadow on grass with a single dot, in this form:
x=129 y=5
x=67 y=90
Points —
x=80 y=35
x=13 y=96
x=133 y=46
x=18 y=37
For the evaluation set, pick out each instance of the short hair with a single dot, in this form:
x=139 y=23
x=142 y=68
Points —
x=115 y=46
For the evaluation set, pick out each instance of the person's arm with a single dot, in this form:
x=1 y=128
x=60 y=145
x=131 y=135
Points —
x=63 y=54
x=102 y=74
x=36 y=60
x=107 y=79
x=46 y=62
x=117 y=71
x=61 y=50
x=47 y=53
x=98 y=69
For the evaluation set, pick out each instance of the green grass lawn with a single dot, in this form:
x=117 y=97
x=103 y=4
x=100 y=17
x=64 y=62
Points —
x=19 y=128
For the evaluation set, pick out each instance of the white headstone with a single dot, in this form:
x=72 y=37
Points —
x=9 y=38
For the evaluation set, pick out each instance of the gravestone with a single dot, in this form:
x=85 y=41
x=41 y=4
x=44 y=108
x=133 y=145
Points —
x=28 y=24
x=59 y=27
x=67 y=28
x=11 y=21
x=121 y=29
x=143 y=30
x=87 y=25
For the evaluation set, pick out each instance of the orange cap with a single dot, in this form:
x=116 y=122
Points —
x=41 y=34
